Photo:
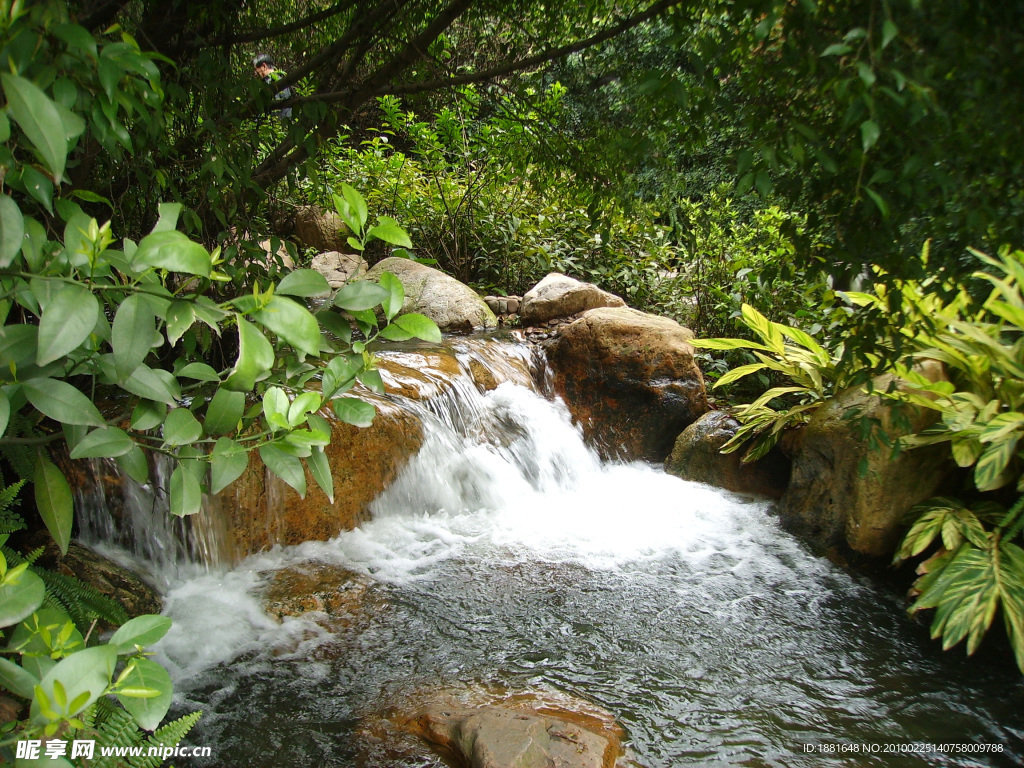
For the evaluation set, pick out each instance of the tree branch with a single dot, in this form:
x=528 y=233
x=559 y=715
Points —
x=514 y=66
x=284 y=29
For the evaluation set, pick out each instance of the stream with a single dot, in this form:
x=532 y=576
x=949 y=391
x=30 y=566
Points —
x=507 y=555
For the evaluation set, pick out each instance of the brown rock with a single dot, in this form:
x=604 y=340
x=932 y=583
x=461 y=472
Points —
x=495 y=728
x=560 y=296
x=315 y=227
x=260 y=510
x=319 y=587
x=697 y=456
x=449 y=303
x=103 y=575
x=339 y=268
x=629 y=379
x=832 y=503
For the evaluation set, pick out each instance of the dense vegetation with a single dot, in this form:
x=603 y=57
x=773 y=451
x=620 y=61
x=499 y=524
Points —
x=734 y=165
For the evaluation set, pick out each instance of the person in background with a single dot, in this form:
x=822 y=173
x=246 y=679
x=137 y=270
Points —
x=264 y=65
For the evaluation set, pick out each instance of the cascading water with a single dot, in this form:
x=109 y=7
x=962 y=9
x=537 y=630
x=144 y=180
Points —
x=507 y=554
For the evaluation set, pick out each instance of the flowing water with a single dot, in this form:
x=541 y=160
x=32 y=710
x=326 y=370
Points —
x=508 y=555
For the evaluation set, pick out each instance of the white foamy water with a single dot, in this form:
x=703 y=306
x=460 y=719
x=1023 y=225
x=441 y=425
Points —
x=513 y=483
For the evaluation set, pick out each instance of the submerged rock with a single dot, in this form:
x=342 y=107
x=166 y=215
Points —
x=629 y=378
x=315 y=587
x=697 y=456
x=495 y=728
x=845 y=494
x=449 y=303
x=558 y=295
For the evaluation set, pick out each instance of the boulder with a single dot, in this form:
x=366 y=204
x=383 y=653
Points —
x=560 y=296
x=260 y=510
x=318 y=228
x=832 y=502
x=629 y=379
x=338 y=268
x=494 y=728
x=449 y=303
x=697 y=456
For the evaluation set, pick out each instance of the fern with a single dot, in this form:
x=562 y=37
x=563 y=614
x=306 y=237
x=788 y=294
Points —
x=114 y=727
x=81 y=602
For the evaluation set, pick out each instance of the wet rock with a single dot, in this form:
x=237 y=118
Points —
x=494 y=728
x=560 y=296
x=832 y=503
x=338 y=268
x=629 y=378
x=315 y=587
x=697 y=457
x=103 y=575
x=261 y=510
x=449 y=303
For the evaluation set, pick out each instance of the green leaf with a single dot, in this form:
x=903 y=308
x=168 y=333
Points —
x=879 y=201
x=335 y=324
x=199 y=372
x=738 y=373
x=62 y=402
x=132 y=335
x=303 y=282
x=358 y=205
x=105 y=442
x=5 y=412
x=12 y=231
x=142 y=631
x=180 y=317
x=305 y=403
x=16 y=680
x=153 y=384
x=371 y=380
x=292 y=322
x=275 y=408
x=181 y=427
x=173 y=251
x=394 y=333
x=54 y=501
x=148 y=414
x=393 y=304
x=224 y=412
x=420 y=326
x=20 y=595
x=285 y=466
x=389 y=231
x=67 y=322
x=353 y=411
x=228 y=461
x=134 y=464
x=186 y=495
x=87 y=671
x=837 y=49
x=889 y=32
x=869 y=134
x=39 y=119
x=146 y=677
x=321 y=471
x=255 y=357
x=361 y=295
x=168 y=214
x=989 y=472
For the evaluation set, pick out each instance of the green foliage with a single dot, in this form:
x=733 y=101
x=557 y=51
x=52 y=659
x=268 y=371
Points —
x=815 y=374
x=977 y=571
x=71 y=687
